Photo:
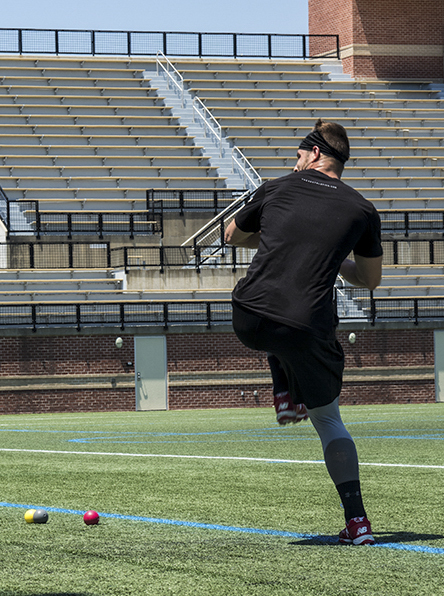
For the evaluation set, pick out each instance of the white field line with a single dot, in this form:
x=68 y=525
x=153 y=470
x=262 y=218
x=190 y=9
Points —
x=216 y=457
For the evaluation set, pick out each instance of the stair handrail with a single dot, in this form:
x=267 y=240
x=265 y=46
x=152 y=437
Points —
x=169 y=76
x=252 y=179
x=214 y=223
x=209 y=121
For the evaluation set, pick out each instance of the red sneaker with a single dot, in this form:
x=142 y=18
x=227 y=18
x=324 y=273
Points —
x=287 y=411
x=357 y=531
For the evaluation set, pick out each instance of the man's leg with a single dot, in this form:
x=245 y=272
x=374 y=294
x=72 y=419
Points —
x=286 y=410
x=341 y=459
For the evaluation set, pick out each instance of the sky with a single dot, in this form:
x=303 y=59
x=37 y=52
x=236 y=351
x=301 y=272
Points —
x=228 y=16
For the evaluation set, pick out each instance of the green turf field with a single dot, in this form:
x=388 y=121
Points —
x=218 y=502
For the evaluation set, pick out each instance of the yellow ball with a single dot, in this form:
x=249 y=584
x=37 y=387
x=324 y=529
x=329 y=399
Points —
x=29 y=516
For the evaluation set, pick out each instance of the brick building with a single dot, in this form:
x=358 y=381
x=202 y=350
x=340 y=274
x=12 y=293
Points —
x=385 y=40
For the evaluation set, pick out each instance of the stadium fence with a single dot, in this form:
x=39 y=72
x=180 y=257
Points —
x=148 y=43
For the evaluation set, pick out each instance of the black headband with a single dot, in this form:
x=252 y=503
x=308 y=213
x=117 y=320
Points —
x=316 y=139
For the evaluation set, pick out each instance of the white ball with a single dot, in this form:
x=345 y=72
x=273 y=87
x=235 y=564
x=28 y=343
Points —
x=352 y=338
x=119 y=342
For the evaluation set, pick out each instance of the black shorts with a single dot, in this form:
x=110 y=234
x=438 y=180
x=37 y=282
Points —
x=314 y=366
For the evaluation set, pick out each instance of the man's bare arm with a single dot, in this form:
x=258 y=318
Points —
x=363 y=272
x=235 y=236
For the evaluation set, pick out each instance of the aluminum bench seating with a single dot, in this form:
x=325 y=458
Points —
x=100 y=142
x=307 y=91
x=242 y=64
x=62 y=82
x=409 y=291
x=431 y=127
x=54 y=295
x=405 y=203
x=60 y=152
x=271 y=167
x=264 y=99
x=96 y=197
x=24 y=274
x=359 y=144
x=65 y=61
x=434 y=160
x=36 y=111
x=392 y=281
x=365 y=116
x=60 y=285
x=417 y=271
x=147 y=98
x=191 y=76
x=118 y=175
x=91 y=72
x=403 y=155
x=287 y=156
x=75 y=90
x=329 y=93
x=300 y=131
x=277 y=74
x=91 y=120
x=88 y=129
x=114 y=163
x=402 y=182
x=386 y=171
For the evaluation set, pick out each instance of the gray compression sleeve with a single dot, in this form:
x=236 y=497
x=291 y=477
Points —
x=339 y=449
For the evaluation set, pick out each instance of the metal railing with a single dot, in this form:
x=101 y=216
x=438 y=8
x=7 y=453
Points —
x=208 y=313
x=24 y=217
x=251 y=178
x=168 y=71
x=118 y=223
x=179 y=257
x=212 y=233
x=207 y=249
x=55 y=255
x=208 y=122
x=408 y=222
x=183 y=201
x=414 y=251
x=148 y=43
x=115 y=314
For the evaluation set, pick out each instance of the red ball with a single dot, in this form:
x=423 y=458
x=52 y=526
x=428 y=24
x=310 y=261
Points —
x=91 y=517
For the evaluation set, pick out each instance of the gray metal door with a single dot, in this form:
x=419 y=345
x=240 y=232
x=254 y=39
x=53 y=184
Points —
x=151 y=373
x=439 y=365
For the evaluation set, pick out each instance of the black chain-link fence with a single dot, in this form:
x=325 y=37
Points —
x=197 y=313
x=148 y=43
x=182 y=201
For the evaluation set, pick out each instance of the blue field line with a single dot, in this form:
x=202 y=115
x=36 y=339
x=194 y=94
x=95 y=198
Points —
x=238 y=529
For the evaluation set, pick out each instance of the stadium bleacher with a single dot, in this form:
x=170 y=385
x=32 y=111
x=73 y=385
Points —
x=92 y=135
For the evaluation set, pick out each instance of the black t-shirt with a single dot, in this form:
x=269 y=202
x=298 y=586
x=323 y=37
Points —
x=309 y=224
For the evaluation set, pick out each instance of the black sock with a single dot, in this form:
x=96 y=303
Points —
x=350 y=493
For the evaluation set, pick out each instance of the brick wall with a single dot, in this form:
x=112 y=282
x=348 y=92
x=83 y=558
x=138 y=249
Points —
x=70 y=354
x=396 y=39
x=43 y=401
x=377 y=349
x=206 y=370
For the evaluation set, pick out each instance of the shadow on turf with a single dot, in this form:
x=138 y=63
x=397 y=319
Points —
x=381 y=538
